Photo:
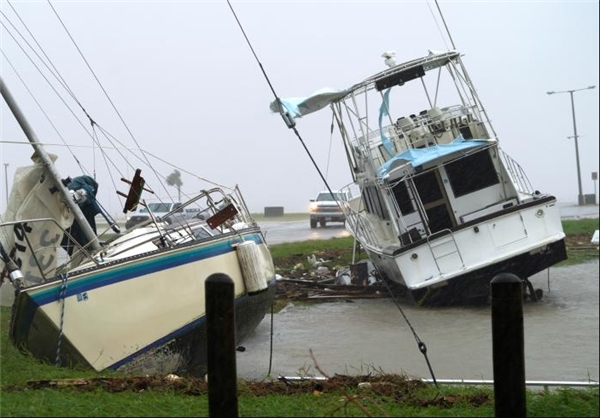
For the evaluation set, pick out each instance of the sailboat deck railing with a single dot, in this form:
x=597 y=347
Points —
x=161 y=236
x=82 y=251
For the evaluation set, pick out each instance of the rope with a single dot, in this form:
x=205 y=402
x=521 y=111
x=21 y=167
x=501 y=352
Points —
x=63 y=292
x=271 y=338
x=291 y=125
x=420 y=344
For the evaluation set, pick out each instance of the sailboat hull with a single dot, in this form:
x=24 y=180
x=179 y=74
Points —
x=145 y=314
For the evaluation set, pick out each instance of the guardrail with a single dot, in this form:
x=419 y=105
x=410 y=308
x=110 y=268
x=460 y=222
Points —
x=542 y=383
x=546 y=384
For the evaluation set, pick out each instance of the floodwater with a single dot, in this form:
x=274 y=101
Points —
x=371 y=335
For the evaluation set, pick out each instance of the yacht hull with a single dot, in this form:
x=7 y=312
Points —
x=455 y=266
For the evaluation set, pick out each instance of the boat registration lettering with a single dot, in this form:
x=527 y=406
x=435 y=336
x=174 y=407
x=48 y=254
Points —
x=25 y=259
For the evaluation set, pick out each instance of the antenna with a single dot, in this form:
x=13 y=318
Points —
x=445 y=26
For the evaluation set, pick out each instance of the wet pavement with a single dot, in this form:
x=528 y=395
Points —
x=277 y=232
x=573 y=211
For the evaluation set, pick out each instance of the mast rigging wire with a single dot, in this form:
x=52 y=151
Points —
x=287 y=118
x=292 y=125
x=97 y=80
x=44 y=59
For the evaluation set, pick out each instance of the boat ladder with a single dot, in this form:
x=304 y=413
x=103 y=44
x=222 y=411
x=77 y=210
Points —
x=445 y=252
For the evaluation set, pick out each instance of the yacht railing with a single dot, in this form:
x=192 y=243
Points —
x=517 y=174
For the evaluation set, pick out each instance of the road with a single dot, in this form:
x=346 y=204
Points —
x=278 y=232
x=291 y=231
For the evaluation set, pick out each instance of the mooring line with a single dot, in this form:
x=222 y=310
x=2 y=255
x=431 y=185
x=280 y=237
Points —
x=420 y=343
x=291 y=124
x=61 y=297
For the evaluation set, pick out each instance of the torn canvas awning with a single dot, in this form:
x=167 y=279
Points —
x=300 y=106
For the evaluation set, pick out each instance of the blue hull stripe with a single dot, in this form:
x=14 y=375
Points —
x=140 y=267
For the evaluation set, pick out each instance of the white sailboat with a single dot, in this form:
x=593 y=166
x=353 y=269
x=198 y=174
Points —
x=131 y=301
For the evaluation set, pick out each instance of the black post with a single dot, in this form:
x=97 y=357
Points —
x=220 y=331
x=508 y=345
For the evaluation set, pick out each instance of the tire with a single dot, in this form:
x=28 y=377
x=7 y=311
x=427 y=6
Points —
x=323 y=224
x=313 y=223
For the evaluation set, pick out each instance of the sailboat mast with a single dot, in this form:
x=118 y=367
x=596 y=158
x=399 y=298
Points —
x=49 y=166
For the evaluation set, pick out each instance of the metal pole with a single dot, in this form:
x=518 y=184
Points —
x=594 y=179
x=49 y=166
x=580 y=195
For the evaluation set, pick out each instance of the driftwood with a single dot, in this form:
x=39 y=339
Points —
x=189 y=385
x=51 y=383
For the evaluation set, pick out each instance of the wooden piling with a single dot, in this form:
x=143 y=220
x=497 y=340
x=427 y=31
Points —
x=508 y=345
x=220 y=331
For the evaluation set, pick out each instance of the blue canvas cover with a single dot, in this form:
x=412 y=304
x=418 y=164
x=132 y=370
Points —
x=420 y=156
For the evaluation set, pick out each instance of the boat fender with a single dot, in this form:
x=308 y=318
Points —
x=251 y=264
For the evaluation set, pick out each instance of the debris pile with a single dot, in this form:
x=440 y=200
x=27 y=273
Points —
x=322 y=282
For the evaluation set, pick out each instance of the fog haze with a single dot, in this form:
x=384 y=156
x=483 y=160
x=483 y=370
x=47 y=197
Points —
x=191 y=91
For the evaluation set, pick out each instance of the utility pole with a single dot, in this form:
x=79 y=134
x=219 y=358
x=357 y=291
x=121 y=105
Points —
x=580 y=198
x=6 y=181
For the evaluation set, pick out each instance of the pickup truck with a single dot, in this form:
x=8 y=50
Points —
x=327 y=207
x=158 y=209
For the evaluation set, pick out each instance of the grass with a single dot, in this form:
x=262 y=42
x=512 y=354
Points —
x=579 y=233
x=580 y=226
x=392 y=396
x=387 y=395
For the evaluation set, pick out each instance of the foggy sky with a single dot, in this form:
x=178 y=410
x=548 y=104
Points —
x=189 y=87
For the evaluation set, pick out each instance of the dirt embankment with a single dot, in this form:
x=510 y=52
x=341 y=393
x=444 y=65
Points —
x=578 y=241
